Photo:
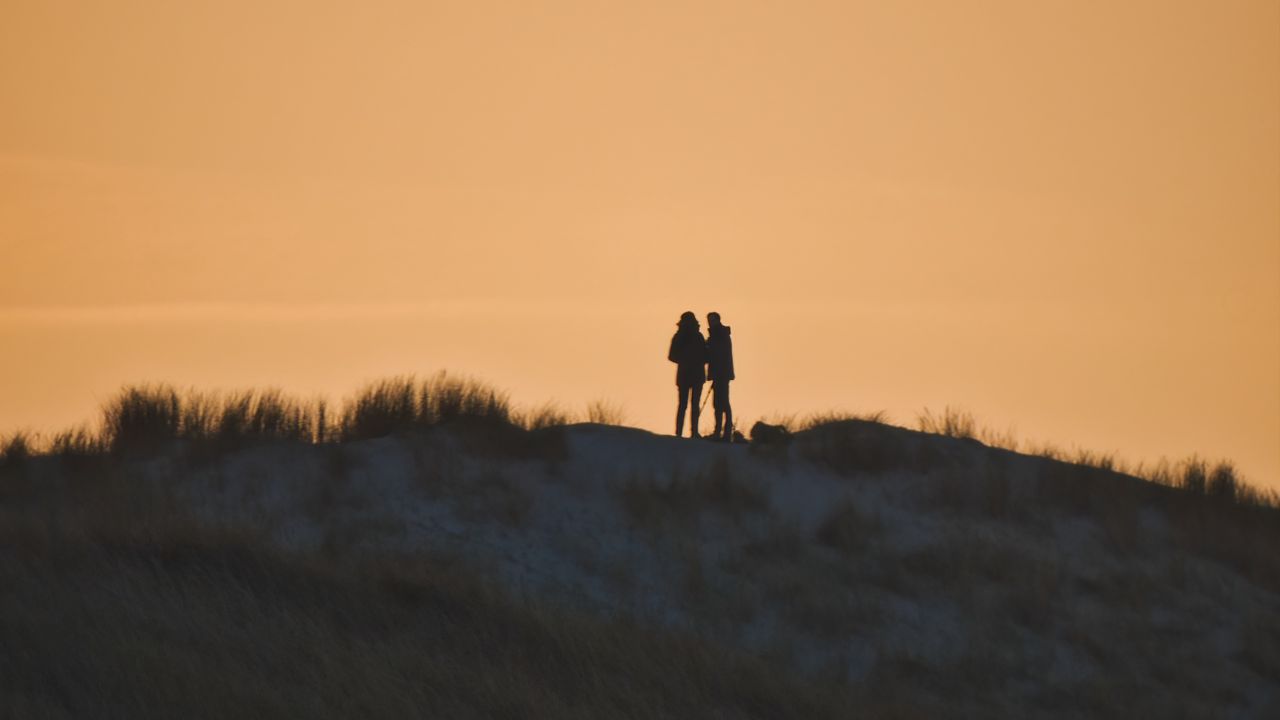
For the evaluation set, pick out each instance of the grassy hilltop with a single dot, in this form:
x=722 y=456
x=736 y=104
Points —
x=427 y=549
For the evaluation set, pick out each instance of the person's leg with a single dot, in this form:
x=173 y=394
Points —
x=683 y=394
x=724 y=417
x=715 y=406
x=728 y=411
x=695 y=401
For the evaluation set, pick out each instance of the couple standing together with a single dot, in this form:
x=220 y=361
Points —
x=699 y=359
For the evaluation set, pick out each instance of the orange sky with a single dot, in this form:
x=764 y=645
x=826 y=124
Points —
x=1062 y=215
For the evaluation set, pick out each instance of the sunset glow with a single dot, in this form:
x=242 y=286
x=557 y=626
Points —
x=1062 y=216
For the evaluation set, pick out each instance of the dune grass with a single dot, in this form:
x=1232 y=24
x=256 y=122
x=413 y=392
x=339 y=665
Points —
x=104 y=568
x=120 y=602
x=605 y=412
x=16 y=447
x=1197 y=476
x=405 y=403
x=547 y=415
x=1209 y=509
x=140 y=419
x=143 y=418
x=146 y=417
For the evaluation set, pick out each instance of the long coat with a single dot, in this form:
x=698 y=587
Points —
x=720 y=353
x=689 y=353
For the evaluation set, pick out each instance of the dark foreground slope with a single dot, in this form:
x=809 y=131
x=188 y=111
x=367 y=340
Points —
x=166 y=626
x=473 y=570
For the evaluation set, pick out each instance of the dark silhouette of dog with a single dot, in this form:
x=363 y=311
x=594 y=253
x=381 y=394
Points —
x=765 y=435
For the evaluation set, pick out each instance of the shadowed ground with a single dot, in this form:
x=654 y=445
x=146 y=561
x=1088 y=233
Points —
x=452 y=557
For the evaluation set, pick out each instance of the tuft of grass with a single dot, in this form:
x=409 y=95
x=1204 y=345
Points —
x=481 y=416
x=145 y=418
x=142 y=418
x=831 y=417
x=385 y=407
x=605 y=412
x=78 y=441
x=1223 y=483
x=402 y=404
x=952 y=422
x=1218 y=480
x=81 y=450
x=15 y=448
x=961 y=424
x=444 y=398
x=250 y=416
x=548 y=415
x=1195 y=476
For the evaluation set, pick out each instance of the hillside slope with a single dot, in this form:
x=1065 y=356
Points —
x=863 y=566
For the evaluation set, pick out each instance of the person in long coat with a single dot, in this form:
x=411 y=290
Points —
x=720 y=372
x=689 y=353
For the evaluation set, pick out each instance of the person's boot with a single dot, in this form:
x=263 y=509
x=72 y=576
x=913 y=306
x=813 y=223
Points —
x=693 y=423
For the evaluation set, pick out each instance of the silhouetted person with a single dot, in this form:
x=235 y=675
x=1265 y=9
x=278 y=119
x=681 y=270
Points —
x=689 y=353
x=720 y=372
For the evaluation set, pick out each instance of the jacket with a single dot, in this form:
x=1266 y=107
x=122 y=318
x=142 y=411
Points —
x=720 y=354
x=689 y=353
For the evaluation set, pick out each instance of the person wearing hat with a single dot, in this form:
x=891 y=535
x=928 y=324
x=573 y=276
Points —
x=720 y=372
x=689 y=353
